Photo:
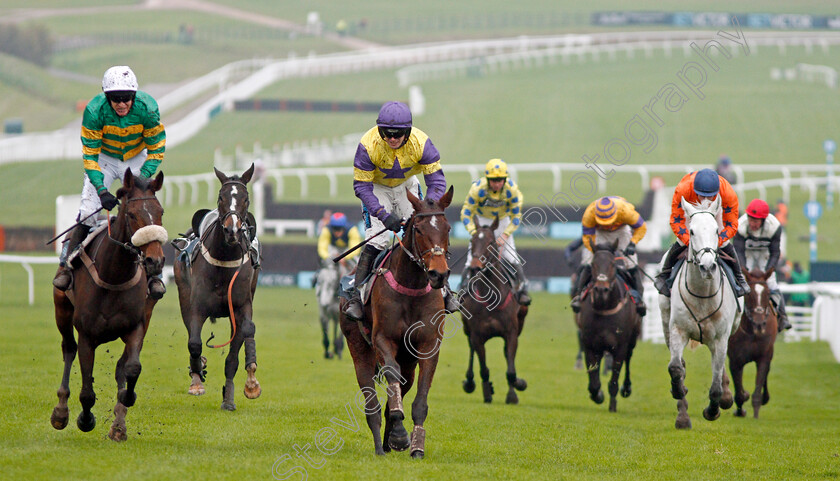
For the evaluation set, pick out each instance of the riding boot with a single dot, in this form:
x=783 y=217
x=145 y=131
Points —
x=354 y=308
x=450 y=299
x=156 y=288
x=742 y=287
x=636 y=280
x=64 y=278
x=661 y=281
x=521 y=286
x=778 y=300
x=583 y=275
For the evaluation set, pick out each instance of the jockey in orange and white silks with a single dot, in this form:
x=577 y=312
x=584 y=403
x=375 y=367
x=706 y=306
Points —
x=758 y=244
x=607 y=220
x=695 y=188
x=388 y=158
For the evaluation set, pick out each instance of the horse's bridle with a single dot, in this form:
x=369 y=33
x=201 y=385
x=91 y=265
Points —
x=223 y=217
x=128 y=245
x=694 y=256
x=435 y=250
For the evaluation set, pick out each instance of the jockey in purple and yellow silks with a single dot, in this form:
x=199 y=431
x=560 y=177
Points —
x=121 y=130
x=387 y=160
x=606 y=220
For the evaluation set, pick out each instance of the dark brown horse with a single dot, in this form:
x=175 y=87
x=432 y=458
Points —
x=220 y=282
x=608 y=322
x=407 y=314
x=489 y=309
x=753 y=342
x=108 y=301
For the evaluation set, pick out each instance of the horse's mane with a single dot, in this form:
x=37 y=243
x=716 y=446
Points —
x=604 y=247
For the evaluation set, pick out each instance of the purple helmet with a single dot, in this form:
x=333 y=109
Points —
x=394 y=115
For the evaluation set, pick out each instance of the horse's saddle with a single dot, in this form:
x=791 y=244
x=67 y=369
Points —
x=347 y=283
x=724 y=266
x=100 y=226
x=202 y=219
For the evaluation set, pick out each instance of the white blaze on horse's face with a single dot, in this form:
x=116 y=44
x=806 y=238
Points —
x=434 y=222
x=759 y=288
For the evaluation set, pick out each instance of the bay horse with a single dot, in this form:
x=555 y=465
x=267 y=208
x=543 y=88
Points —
x=702 y=307
x=109 y=300
x=489 y=309
x=753 y=342
x=608 y=324
x=407 y=313
x=326 y=291
x=221 y=282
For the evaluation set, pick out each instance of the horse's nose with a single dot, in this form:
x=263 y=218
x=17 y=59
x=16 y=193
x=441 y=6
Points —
x=153 y=265
x=437 y=278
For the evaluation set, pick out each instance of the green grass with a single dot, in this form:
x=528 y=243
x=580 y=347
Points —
x=555 y=433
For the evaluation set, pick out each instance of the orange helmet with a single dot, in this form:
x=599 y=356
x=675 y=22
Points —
x=758 y=209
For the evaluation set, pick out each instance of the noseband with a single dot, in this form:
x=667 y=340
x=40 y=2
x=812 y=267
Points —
x=436 y=250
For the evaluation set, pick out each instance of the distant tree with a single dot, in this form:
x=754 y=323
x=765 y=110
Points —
x=32 y=43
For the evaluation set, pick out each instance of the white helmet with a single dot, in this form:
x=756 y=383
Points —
x=119 y=78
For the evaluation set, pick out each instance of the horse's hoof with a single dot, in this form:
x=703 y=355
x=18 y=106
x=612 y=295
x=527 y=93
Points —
x=598 y=398
x=118 y=434
x=86 y=422
x=578 y=364
x=253 y=391
x=417 y=454
x=709 y=416
x=613 y=405
x=740 y=413
x=765 y=398
x=520 y=384
x=626 y=391
x=196 y=389
x=379 y=451
x=398 y=441
x=726 y=401
x=228 y=406
x=488 y=391
x=512 y=398
x=328 y=355
x=59 y=417
x=469 y=385
x=683 y=422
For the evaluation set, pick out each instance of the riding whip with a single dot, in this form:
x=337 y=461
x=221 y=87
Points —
x=360 y=244
x=71 y=228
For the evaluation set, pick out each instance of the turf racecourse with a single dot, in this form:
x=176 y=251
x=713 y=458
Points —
x=555 y=433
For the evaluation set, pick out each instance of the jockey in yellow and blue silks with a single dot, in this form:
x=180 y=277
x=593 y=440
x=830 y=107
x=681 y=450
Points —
x=606 y=220
x=337 y=238
x=121 y=130
x=491 y=197
x=388 y=158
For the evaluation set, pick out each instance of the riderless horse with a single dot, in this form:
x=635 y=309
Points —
x=753 y=342
x=217 y=277
x=326 y=290
x=608 y=323
x=109 y=300
x=489 y=309
x=703 y=307
x=407 y=313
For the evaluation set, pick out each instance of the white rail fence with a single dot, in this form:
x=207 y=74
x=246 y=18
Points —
x=260 y=73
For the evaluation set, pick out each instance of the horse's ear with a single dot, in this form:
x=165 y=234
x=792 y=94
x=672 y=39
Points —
x=769 y=272
x=716 y=204
x=128 y=179
x=687 y=207
x=157 y=183
x=246 y=177
x=495 y=224
x=446 y=198
x=415 y=202
x=614 y=245
x=746 y=272
x=220 y=175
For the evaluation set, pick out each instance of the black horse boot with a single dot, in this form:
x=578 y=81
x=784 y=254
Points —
x=778 y=300
x=64 y=278
x=521 y=286
x=661 y=281
x=583 y=276
x=742 y=288
x=450 y=300
x=354 y=308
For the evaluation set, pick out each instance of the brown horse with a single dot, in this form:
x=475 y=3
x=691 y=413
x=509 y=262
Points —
x=109 y=300
x=407 y=313
x=220 y=282
x=753 y=342
x=608 y=322
x=489 y=309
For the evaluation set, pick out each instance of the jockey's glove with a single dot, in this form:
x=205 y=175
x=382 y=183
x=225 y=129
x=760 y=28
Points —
x=392 y=223
x=108 y=200
x=630 y=249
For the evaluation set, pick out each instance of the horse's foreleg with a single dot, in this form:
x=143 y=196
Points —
x=325 y=337
x=364 y=363
x=677 y=340
x=232 y=365
x=726 y=399
x=718 y=350
x=593 y=366
x=736 y=368
x=761 y=395
x=618 y=360
x=469 y=382
x=64 y=321
x=86 y=420
x=483 y=371
x=338 y=338
x=127 y=372
x=420 y=406
x=252 y=386
x=514 y=383
x=626 y=388
x=396 y=435
x=198 y=363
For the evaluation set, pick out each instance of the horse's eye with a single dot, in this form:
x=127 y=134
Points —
x=691 y=231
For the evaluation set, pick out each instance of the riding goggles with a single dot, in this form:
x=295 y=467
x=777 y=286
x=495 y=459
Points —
x=391 y=133
x=120 y=97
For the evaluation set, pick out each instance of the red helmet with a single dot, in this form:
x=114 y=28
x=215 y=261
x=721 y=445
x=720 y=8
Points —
x=758 y=209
